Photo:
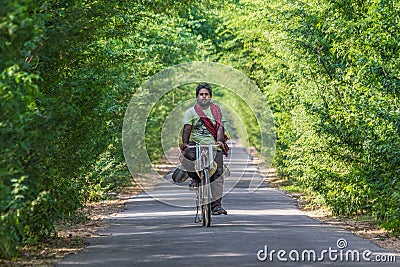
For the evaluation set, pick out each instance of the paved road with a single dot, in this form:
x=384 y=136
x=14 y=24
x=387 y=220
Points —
x=150 y=232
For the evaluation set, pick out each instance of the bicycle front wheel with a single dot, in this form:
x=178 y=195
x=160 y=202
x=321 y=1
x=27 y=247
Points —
x=206 y=199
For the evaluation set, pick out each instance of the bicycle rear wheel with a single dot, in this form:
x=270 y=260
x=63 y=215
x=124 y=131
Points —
x=206 y=199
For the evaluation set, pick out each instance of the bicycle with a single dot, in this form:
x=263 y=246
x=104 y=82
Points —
x=204 y=165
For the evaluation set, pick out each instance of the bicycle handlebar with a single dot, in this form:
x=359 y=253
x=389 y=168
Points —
x=202 y=146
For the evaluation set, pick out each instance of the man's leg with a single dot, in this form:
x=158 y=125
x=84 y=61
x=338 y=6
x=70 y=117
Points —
x=188 y=162
x=217 y=185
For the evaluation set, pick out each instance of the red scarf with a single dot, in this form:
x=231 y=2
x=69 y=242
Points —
x=211 y=127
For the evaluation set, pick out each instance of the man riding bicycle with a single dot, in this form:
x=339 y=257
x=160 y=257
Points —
x=204 y=124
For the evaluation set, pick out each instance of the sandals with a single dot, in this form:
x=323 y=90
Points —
x=219 y=211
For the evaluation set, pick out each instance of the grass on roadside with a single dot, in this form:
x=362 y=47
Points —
x=70 y=237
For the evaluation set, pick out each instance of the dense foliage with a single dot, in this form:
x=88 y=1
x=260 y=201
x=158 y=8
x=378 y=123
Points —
x=68 y=69
x=329 y=71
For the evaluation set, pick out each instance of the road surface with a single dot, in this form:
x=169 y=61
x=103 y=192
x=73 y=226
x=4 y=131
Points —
x=262 y=228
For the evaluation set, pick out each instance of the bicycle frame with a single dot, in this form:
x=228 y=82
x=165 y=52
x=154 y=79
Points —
x=204 y=164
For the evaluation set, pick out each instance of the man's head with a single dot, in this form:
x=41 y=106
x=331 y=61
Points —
x=203 y=95
x=203 y=86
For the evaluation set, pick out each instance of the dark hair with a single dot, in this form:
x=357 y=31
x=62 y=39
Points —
x=203 y=86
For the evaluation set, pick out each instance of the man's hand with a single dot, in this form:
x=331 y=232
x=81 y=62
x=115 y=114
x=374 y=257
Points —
x=184 y=146
x=221 y=144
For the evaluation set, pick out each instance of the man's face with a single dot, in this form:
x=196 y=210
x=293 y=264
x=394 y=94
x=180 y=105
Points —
x=203 y=98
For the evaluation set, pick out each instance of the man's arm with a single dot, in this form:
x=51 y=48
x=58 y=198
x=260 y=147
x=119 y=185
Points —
x=187 y=130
